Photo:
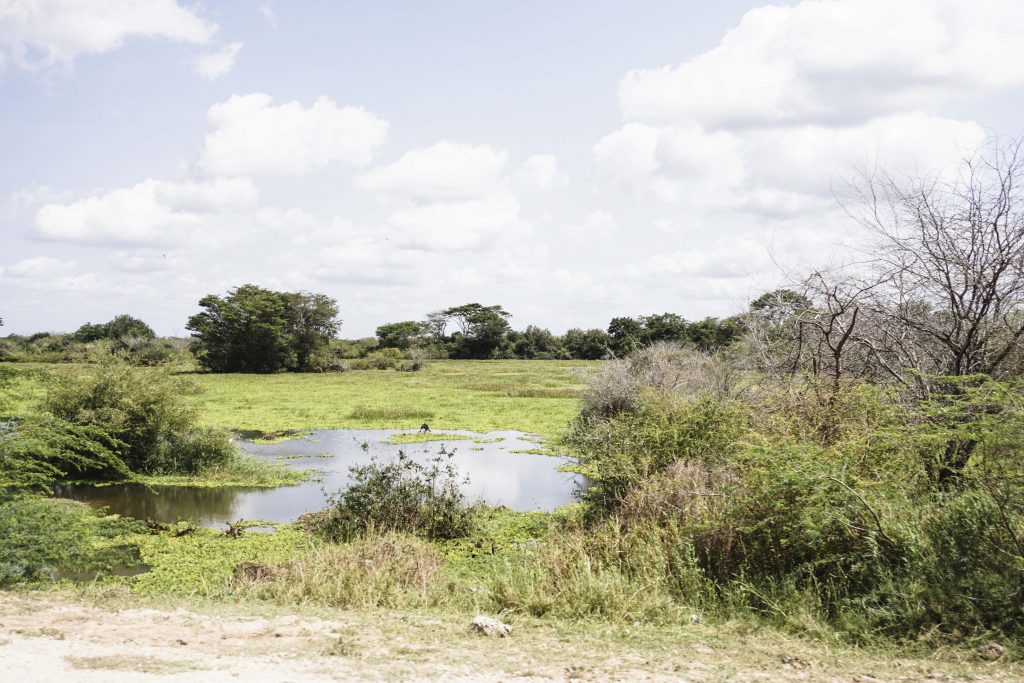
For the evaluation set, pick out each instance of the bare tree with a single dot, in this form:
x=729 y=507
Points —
x=949 y=263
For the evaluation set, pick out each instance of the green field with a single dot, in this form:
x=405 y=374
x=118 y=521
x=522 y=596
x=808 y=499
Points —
x=539 y=397
x=482 y=396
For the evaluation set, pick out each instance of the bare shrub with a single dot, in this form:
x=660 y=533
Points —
x=666 y=368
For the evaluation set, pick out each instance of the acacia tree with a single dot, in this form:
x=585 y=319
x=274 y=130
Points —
x=482 y=330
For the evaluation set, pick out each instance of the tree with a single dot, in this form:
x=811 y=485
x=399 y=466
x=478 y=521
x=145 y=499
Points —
x=535 y=343
x=401 y=335
x=122 y=330
x=666 y=327
x=482 y=330
x=587 y=344
x=947 y=265
x=626 y=335
x=259 y=330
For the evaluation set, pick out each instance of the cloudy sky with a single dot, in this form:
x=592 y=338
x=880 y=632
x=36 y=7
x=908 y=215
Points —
x=571 y=161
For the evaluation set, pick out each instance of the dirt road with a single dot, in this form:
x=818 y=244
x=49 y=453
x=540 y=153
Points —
x=65 y=638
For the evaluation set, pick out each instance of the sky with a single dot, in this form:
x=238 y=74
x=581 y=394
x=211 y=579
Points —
x=570 y=161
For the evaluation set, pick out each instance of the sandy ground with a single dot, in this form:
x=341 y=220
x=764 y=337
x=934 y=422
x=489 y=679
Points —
x=49 y=637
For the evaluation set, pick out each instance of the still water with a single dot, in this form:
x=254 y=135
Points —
x=497 y=476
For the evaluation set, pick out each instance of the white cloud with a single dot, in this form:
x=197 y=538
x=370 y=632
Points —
x=39 y=34
x=599 y=224
x=214 y=65
x=446 y=170
x=37 y=267
x=151 y=211
x=464 y=225
x=269 y=15
x=836 y=61
x=253 y=136
x=672 y=163
x=541 y=172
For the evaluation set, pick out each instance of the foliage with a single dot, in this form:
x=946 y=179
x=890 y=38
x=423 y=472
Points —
x=481 y=330
x=403 y=496
x=535 y=343
x=258 y=330
x=814 y=505
x=42 y=449
x=146 y=412
x=626 y=334
x=586 y=344
x=401 y=335
x=39 y=537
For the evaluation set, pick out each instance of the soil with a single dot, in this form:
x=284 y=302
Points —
x=55 y=636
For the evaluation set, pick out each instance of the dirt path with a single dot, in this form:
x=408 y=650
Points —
x=57 y=637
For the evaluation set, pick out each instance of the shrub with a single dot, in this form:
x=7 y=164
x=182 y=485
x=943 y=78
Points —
x=41 y=536
x=146 y=410
x=664 y=368
x=40 y=450
x=625 y=451
x=403 y=496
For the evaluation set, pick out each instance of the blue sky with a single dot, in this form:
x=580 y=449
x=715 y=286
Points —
x=570 y=161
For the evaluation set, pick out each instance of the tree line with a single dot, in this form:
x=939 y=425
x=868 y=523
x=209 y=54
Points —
x=258 y=330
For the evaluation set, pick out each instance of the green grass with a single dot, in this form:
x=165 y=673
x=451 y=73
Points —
x=481 y=396
x=540 y=397
x=243 y=470
x=424 y=437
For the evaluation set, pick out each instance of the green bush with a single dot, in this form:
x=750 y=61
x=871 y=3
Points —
x=145 y=410
x=40 y=536
x=626 y=450
x=40 y=450
x=401 y=496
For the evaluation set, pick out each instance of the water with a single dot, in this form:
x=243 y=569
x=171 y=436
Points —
x=498 y=476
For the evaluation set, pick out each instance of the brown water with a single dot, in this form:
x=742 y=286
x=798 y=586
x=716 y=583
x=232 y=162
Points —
x=497 y=476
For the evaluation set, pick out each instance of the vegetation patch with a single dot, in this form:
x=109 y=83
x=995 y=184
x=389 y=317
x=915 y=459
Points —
x=390 y=413
x=424 y=437
x=144 y=664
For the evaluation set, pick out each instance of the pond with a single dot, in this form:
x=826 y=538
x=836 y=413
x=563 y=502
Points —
x=497 y=476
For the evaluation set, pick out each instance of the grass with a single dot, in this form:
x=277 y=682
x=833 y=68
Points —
x=481 y=396
x=539 y=397
x=243 y=470
x=424 y=437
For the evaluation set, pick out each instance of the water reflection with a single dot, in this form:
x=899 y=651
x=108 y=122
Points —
x=498 y=476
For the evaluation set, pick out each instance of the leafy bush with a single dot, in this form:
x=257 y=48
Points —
x=145 y=410
x=40 y=450
x=40 y=536
x=844 y=504
x=401 y=496
x=625 y=451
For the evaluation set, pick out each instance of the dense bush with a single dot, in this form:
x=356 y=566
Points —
x=145 y=411
x=39 y=450
x=39 y=537
x=401 y=496
x=811 y=503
